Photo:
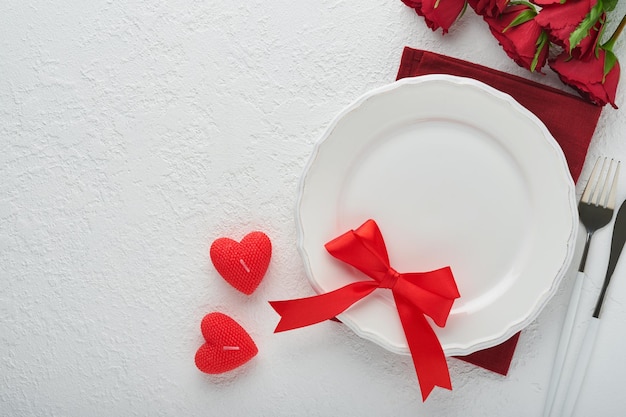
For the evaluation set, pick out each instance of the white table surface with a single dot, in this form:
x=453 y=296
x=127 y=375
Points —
x=134 y=133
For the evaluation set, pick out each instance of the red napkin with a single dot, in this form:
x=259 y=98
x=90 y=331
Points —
x=571 y=121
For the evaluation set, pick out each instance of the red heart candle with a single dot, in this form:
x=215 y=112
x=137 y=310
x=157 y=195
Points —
x=242 y=264
x=227 y=346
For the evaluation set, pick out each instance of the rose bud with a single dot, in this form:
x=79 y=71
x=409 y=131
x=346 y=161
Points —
x=523 y=40
x=438 y=13
x=587 y=76
x=491 y=8
x=573 y=25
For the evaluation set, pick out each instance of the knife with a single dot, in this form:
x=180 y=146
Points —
x=617 y=244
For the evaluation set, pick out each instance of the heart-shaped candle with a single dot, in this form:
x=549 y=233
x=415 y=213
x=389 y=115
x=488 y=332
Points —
x=227 y=346
x=242 y=264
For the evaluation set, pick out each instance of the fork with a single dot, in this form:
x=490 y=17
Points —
x=584 y=356
x=595 y=210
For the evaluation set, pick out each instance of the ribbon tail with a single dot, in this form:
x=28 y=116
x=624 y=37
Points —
x=303 y=312
x=428 y=357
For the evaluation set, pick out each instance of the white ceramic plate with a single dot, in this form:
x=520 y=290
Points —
x=455 y=173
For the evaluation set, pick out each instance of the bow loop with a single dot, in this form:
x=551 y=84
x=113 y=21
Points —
x=364 y=249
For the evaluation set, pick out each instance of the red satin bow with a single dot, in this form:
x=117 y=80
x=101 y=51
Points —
x=416 y=294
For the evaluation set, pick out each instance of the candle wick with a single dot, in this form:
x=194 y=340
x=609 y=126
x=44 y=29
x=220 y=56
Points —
x=245 y=267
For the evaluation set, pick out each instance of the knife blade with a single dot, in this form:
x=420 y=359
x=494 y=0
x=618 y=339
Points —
x=617 y=244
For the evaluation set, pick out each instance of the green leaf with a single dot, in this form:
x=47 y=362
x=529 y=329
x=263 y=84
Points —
x=523 y=17
x=609 y=4
x=609 y=62
x=586 y=25
x=522 y=3
x=542 y=42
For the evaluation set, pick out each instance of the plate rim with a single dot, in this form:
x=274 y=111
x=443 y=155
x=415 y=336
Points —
x=541 y=301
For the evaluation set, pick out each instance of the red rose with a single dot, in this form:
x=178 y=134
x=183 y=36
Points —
x=437 y=13
x=561 y=20
x=587 y=76
x=491 y=8
x=525 y=42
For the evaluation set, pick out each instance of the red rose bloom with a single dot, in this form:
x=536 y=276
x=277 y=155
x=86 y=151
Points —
x=491 y=8
x=587 y=76
x=437 y=13
x=561 y=19
x=525 y=43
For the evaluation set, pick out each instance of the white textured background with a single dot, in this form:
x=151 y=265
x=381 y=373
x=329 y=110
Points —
x=134 y=133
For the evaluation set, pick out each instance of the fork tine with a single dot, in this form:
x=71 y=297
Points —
x=601 y=201
x=610 y=203
x=599 y=188
x=591 y=183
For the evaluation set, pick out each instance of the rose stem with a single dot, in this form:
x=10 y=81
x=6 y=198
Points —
x=609 y=44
